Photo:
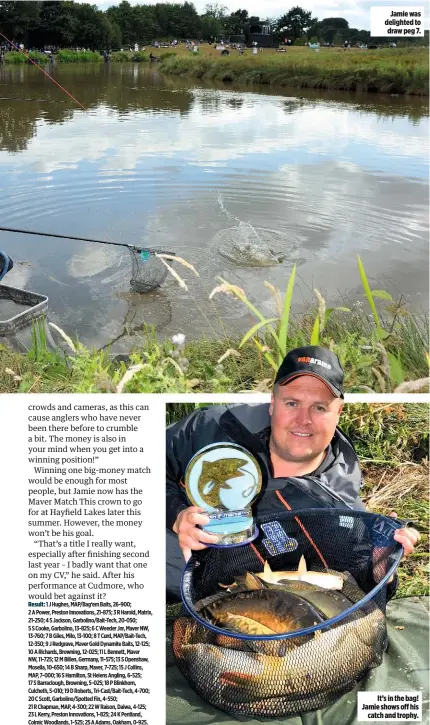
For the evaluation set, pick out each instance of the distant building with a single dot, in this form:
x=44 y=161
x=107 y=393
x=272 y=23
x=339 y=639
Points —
x=235 y=39
x=258 y=31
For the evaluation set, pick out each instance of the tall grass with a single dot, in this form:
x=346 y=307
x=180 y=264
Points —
x=386 y=348
x=78 y=56
x=129 y=56
x=383 y=71
x=387 y=433
x=17 y=58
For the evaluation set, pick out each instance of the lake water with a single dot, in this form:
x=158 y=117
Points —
x=201 y=170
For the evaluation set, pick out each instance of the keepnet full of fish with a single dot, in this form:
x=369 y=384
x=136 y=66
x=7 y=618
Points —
x=287 y=624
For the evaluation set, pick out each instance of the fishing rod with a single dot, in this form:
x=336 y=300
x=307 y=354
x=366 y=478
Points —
x=68 y=236
x=41 y=69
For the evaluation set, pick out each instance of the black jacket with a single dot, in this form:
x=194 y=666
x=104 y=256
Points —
x=334 y=485
x=6 y=264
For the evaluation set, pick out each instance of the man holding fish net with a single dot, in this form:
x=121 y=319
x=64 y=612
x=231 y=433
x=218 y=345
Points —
x=306 y=461
x=292 y=618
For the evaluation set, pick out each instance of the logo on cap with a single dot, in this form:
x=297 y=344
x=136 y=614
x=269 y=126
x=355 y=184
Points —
x=314 y=361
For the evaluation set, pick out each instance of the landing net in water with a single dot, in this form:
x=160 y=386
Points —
x=147 y=270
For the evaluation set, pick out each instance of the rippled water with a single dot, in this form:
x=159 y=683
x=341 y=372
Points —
x=164 y=162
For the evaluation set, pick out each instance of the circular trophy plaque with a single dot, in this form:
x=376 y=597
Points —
x=224 y=479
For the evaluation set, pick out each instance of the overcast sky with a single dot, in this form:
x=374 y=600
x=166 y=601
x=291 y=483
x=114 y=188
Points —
x=356 y=12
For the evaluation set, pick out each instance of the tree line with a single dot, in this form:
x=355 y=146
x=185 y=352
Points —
x=69 y=24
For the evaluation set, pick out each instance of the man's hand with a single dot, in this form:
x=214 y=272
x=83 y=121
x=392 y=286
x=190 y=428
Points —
x=407 y=537
x=191 y=538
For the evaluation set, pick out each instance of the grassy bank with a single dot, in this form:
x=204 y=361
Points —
x=82 y=56
x=205 y=365
x=391 y=441
x=61 y=56
x=384 y=351
x=403 y=71
x=387 y=70
x=132 y=56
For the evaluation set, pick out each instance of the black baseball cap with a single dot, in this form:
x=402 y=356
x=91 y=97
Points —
x=312 y=360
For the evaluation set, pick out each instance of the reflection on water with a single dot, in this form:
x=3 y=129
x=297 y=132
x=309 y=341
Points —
x=154 y=310
x=317 y=178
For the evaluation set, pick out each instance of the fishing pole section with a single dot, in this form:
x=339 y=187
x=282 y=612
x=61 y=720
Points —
x=22 y=308
x=18 y=49
x=148 y=271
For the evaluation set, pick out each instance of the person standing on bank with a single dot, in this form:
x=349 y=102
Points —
x=306 y=461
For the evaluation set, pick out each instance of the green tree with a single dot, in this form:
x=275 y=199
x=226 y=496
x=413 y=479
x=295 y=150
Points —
x=58 y=24
x=146 y=25
x=67 y=23
x=295 y=23
x=93 y=29
x=167 y=17
x=214 y=21
x=339 y=37
x=334 y=23
x=189 y=23
x=18 y=19
x=332 y=30
x=115 y=36
x=124 y=16
x=217 y=11
x=363 y=36
x=235 y=21
x=211 y=27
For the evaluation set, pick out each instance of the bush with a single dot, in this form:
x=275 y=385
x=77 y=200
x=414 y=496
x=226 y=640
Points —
x=128 y=56
x=78 y=56
x=17 y=58
x=120 y=56
x=301 y=41
x=139 y=57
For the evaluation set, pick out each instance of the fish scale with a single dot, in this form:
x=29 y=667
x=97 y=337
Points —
x=328 y=602
x=282 y=612
x=267 y=685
